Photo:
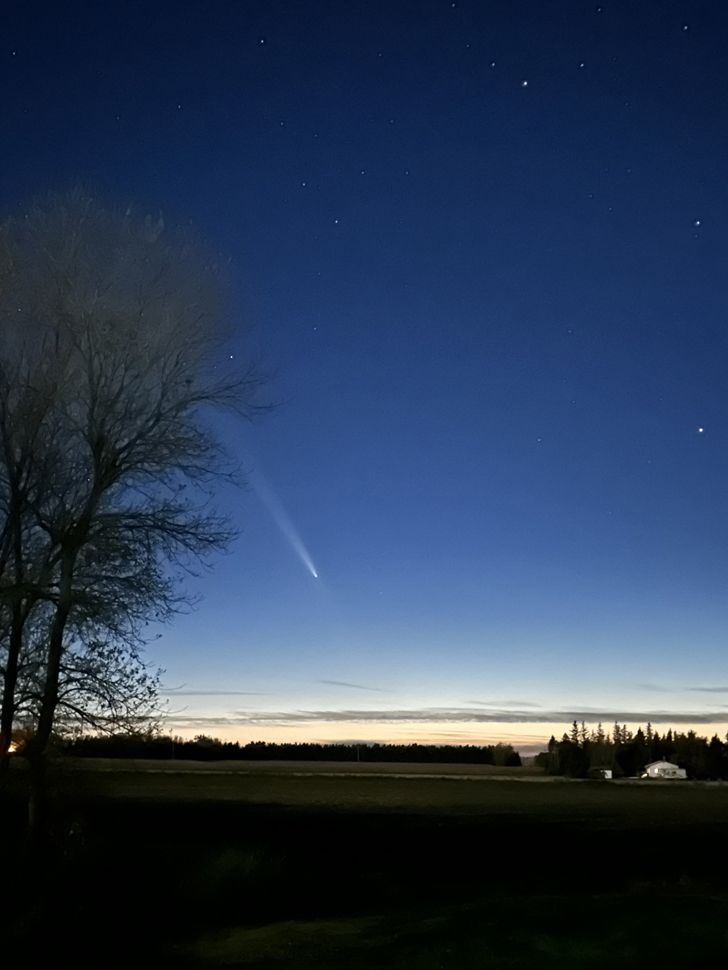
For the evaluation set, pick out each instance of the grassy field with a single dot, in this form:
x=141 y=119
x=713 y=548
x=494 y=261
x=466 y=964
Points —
x=169 y=766
x=313 y=865
x=412 y=788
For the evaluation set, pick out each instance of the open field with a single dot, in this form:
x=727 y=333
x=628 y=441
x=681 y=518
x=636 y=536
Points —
x=524 y=793
x=301 y=866
x=169 y=766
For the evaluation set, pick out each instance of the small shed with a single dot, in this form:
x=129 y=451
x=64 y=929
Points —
x=664 y=769
x=603 y=774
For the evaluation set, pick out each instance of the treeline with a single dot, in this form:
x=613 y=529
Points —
x=204 y=748
x=585 y=751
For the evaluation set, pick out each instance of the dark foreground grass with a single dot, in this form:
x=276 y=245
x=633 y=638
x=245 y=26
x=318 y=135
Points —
x=566 y=931
x=304 y=872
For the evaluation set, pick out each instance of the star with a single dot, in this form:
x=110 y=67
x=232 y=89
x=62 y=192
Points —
x=701 y=430
x=696 y=222
x=524 y=84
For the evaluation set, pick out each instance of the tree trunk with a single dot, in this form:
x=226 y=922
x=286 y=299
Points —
x=7 y=715
x=38 y=807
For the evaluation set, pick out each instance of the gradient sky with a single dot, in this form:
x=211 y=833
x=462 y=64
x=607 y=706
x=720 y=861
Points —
x=481 y=249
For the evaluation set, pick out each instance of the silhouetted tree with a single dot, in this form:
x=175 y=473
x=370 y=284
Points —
x=716 y=759
x=630 y=753
x=111 y=352
x=206 y=748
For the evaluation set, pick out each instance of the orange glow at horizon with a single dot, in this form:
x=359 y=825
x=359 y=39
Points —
x=528 y=737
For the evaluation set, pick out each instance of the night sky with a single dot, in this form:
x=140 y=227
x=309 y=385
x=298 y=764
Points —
x=480 y=249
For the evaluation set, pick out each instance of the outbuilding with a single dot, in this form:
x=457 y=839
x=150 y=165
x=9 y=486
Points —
x=664 y=769
x=604 y=774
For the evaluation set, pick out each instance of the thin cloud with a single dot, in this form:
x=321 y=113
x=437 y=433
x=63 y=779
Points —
x=215 y=693
x=365 y=742
x=472 y=715
x=346 y=683
x=179 y=723
x=504 y=703
x=700 y=689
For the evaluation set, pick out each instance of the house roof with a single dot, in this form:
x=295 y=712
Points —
x=661 y=764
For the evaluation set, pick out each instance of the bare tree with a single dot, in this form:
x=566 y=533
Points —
x=24 y=465
x=112 y=355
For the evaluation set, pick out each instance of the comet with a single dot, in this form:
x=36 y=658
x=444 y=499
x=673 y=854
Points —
x=283 y=521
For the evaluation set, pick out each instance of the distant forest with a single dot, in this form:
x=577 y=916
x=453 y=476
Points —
x=585 y=751
x=204 y=748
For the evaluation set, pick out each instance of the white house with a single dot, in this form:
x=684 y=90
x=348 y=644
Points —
x=663 y=769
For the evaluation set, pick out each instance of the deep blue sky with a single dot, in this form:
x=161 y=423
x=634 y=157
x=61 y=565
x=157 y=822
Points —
x=481 y=247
